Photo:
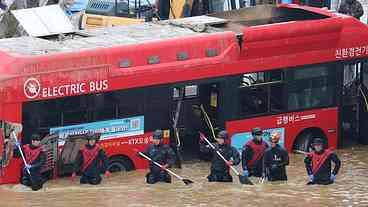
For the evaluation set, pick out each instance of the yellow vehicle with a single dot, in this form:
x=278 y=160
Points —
x=90 y=21
x=109 y=13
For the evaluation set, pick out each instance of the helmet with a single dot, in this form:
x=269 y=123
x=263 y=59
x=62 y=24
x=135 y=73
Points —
x=222 y=134
x=317 y=141
x=93 y=136
x=36 y=137
x=275 y=137
x=257 y=131
x=158 y=134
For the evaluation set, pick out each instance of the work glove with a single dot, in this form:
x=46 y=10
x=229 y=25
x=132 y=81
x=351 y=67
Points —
x=72 y=178
x=17 y=143
x=28 y=166
x=311 y=178
x=229 y=163
x=333 y=177
x=245 y=173
x=164 y=167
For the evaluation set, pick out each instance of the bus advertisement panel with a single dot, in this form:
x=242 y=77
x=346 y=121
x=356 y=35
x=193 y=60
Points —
x=109 y=129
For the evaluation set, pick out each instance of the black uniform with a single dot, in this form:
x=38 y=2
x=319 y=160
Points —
x=255 y=167
x=197 y=8
x=162 y=154
x=323 y=174
x=164 y=9
x=219 y=169
x=3 y=6
x=275 y=161
x=99 y=164
x=35 y=180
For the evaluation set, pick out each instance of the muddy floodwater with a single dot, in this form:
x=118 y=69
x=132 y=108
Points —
x=129 y=189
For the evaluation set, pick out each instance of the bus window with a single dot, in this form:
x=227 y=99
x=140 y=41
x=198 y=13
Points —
x=104 y=107
x=311 y=87
x=261 y=93
x=130 y=103
x=157 y=108
x=74 y=109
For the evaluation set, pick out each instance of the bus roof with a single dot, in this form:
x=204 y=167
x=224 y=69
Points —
x=235 y=42
x=141 y=33
x=107 y=37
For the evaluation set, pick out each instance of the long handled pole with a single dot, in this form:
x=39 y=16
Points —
x=21 y=152
x=208 y=121
x=300 y=152
x=219 y=154
x=242 y=179
x=186 y=181
x=213 y=134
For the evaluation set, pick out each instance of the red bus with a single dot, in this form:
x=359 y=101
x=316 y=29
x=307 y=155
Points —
x=298 y=70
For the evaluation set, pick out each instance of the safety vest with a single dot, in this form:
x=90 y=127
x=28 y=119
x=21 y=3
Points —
x=31 y=154
x=258 y=151
x=319 y=159
x=89 y=155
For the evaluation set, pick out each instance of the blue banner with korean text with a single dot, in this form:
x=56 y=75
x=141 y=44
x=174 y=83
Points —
x=109 y=129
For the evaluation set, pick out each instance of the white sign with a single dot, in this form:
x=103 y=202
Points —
x=33 y=89
x=43 y=21
x=293 y=118
x=351 y=52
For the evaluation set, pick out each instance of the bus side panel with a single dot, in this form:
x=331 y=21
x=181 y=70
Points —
x=290 y=125
x=128 y=146
x=11 y=172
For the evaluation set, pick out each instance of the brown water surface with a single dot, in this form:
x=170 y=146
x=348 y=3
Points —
x=129 y=189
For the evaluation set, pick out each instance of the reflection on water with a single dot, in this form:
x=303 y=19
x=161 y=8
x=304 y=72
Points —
x=129 y=189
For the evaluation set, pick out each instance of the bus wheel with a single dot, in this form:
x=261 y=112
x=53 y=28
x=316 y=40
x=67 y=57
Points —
x=305 y=142
x=120 y=164
x=305 y=139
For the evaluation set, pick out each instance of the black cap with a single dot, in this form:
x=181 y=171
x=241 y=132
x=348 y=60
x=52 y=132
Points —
x=35 y=137
x=317 y=141
x=222 y=134
x=93 y=136
x=257 y=131
x=158 y=134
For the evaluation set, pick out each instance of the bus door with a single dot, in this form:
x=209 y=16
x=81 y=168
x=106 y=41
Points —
x=354 y=113
x=363 y=109
x=6 y=148
x=189 y=121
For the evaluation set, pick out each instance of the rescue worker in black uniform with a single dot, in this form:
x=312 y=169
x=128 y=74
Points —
x=318 y=164
x=93 y=160
x=163 y=7
x=252 y=154
x=275 y=159
x=35 y=158
x=219 y=168
x=162 y=154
